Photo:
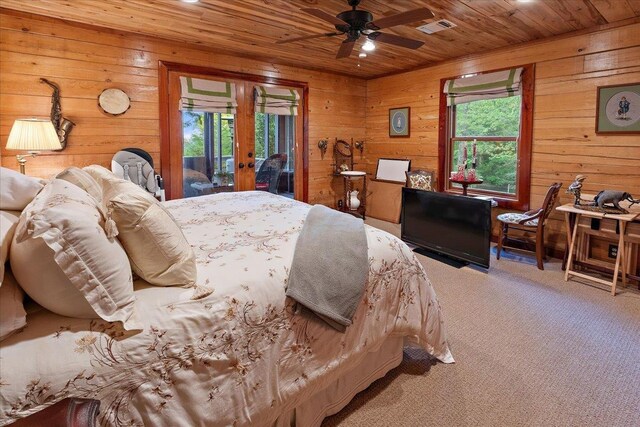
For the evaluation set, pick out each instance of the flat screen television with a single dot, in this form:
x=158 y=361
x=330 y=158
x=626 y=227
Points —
x=452 y=225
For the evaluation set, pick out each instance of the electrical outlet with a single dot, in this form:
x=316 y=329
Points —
x=613 y=251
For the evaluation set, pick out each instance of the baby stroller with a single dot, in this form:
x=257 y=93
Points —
x=136 y=165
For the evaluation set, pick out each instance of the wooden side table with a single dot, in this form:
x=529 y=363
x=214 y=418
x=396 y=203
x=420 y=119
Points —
x=350 y=178
x=573 y=224
x=466 y=184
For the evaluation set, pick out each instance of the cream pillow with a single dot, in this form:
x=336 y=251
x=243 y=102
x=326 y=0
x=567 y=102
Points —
x=8 y=222
x=83 y=180
x=17 y=190
x=157 y=248
x=12 y=314
x=62 y=258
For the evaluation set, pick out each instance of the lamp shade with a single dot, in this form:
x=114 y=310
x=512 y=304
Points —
x=33 y=135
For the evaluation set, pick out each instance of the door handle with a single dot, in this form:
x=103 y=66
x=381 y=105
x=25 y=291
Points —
x=240 y=165
x=250 y=165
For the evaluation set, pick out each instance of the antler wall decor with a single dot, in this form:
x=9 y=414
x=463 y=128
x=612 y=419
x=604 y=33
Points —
x=62 y=125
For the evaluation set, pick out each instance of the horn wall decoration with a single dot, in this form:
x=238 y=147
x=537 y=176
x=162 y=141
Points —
x=62 y=125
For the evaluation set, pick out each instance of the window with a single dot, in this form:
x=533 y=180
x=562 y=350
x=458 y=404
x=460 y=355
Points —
x=493 y=124
x=275 y=134
x=276 y=109
x=208 y=144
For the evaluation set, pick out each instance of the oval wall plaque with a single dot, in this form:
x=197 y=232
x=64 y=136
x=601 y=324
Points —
x=114 y=101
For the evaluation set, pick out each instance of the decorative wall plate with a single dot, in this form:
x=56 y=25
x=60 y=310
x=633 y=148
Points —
x=114 y=101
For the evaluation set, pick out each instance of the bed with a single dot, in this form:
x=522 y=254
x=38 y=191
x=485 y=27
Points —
x=242 y=355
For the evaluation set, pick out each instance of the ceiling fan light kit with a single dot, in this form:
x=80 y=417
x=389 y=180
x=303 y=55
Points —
x=355 y=23
x=368 y=46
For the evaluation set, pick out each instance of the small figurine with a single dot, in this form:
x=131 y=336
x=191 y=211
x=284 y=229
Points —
x=460 y=176
x=576 y=188
x=600 y=202
x=471 y=175
x=613 y=197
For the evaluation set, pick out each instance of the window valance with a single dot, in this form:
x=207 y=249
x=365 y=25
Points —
x=273 y=100
x=499 y=84
x=207 y=95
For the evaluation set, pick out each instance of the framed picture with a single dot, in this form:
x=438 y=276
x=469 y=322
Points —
x=392 y=170
x=399 y=122
x=618 y=110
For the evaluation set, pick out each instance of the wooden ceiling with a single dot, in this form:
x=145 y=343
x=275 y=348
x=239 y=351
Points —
x=251 y=27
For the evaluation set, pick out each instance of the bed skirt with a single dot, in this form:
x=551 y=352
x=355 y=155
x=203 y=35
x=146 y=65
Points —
x=338 y=394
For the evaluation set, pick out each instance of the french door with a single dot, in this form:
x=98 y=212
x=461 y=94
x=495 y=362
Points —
x=212 y=152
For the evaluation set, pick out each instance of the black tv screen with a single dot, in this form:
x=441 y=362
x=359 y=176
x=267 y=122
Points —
x=453 y=225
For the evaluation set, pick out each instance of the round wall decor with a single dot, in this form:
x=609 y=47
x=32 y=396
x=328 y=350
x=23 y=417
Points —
x=114 y=101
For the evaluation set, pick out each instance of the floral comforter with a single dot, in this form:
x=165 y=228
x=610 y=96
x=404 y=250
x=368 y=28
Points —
x=241 y=355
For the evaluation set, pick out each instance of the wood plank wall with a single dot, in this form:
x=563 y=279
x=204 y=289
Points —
x=568 y=71
x=85 y=60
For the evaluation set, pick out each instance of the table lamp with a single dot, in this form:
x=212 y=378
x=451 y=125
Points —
x=33 y=136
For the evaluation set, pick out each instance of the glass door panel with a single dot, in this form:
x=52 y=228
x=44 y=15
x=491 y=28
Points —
x=208 y=153
x=208 y=146
x=275 y=153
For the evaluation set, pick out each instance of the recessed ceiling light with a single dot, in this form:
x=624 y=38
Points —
x=368 y=46
x=362 y=55
x=190 y=1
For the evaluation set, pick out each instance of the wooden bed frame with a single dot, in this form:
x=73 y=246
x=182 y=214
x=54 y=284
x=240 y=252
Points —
x=70 y=412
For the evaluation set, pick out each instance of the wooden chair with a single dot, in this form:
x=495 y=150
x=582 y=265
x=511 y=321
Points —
x=421 y=179
x=531 y=221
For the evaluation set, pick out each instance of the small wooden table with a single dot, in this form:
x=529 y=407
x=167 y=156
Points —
x=572 y=220
x=349 y=184
x=466 y=184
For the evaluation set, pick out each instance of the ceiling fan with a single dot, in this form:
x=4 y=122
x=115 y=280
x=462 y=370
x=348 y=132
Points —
x=355 y=23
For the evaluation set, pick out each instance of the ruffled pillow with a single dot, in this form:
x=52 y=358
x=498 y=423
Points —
x=17 y=190
x=12 y=314
x=63 y=259
x=83 y=180
x=8 y=223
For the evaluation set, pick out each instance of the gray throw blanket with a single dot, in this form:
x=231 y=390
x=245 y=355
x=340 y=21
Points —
x=330 y=266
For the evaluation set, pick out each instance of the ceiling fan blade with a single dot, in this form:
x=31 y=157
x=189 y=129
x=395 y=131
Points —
x=345 y=49
x=313 y=36
x=401 y=19
x=324 y=16
x=396 y=40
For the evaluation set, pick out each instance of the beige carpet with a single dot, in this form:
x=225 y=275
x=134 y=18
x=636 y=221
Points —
x=530 y=349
